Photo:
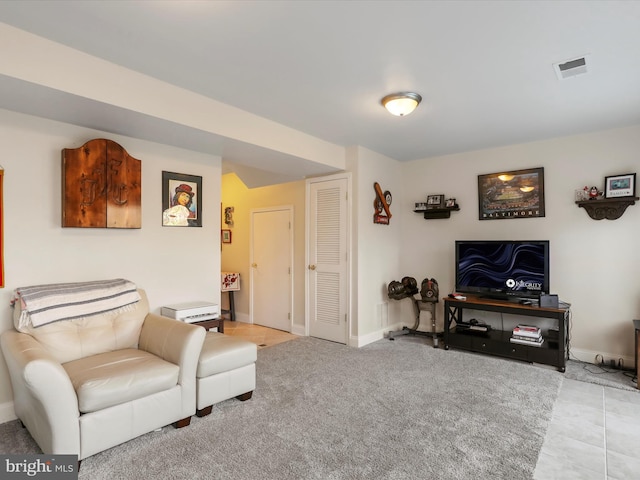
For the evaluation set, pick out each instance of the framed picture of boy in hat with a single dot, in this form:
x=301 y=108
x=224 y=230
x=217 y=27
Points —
x=181 y=200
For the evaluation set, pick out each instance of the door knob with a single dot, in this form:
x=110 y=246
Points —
x=312 y=267
x=254 y=265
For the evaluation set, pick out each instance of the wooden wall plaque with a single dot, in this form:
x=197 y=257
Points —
x=101 y=186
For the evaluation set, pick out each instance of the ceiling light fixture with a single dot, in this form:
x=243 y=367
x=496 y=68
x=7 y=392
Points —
x=401 y=104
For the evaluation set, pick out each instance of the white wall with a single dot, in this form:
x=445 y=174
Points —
x=594 y=264
x=172 y=264
x=377 y=255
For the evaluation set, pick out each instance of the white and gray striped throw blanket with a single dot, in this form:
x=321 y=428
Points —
x=43 y=304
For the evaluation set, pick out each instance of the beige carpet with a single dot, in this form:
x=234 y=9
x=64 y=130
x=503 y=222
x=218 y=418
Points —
x=390 y=410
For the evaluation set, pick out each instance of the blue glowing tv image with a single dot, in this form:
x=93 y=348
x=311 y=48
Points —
x=502 y=268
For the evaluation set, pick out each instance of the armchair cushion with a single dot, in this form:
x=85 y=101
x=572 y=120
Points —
x=73 y=339
x=112 y=378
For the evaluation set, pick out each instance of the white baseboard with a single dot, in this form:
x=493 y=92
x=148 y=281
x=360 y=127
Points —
x=363 y=340
x=298 y=330
x=374 y=336
x=241 y=317
x=6 y=412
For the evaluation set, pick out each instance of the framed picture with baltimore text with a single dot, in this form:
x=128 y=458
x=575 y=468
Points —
x=620 y=186
x=511 y=194
x=181 y=200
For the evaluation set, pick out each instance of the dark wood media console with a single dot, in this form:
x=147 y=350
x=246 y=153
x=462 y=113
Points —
x=497 y=342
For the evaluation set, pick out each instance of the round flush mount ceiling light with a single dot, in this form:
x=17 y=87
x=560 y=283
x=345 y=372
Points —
x=401 y=104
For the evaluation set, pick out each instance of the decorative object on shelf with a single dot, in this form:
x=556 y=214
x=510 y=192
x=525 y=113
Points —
x=380 y=203
x=582 y=195
x=450 y=203
x=607 y=208
x=402 y=103
x=228 y=216
x=594 y=193
x=229 y=281
x=435 y=202
x=513 y=194
x=420 y=207
x=181 y=200
x=226 y=235
x=619 y=186
x=101 y=186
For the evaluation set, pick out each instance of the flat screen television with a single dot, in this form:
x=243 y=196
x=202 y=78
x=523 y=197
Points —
x=502 y=268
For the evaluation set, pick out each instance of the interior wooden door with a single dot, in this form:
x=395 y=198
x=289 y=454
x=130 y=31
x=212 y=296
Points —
x=271 y=268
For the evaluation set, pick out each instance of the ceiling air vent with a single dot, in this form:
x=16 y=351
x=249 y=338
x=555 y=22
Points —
x=571 y=68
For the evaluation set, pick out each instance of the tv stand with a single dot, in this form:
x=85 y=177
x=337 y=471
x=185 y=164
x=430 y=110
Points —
x=498 y=297
x=497 y=342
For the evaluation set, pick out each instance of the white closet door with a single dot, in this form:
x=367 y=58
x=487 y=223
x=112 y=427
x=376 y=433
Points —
x=327 y=268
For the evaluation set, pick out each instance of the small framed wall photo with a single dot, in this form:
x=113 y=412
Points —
x=226 y=236
x=618 y=186
x=435 y=201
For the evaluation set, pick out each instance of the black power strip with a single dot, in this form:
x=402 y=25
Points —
x=619 y=365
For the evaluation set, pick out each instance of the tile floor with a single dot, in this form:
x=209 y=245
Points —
x=594 y=432
x=261 y=336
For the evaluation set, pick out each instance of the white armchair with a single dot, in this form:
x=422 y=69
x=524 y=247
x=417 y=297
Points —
x=85 y=385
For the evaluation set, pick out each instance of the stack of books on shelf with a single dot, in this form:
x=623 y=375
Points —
x=527 y=335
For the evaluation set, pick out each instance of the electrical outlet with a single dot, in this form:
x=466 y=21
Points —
x=610 y=363
x=382 y=314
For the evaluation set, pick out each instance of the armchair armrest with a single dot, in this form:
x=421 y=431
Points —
x=179 y=343
x=171 y=340
x=44 y=398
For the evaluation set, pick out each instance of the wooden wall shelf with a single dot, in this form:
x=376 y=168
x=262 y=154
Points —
x=436 y=213
x=609 y=208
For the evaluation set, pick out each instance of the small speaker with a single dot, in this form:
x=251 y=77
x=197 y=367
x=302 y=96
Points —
x=549 y=301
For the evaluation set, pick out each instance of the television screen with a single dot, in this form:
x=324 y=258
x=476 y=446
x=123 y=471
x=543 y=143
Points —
x=503 y=268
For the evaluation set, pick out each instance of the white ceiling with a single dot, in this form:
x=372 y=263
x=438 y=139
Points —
x=484 y=68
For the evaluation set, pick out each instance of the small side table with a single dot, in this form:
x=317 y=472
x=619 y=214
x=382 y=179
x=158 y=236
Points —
x=214 y=322
x=230 y=282
x=636 y=326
